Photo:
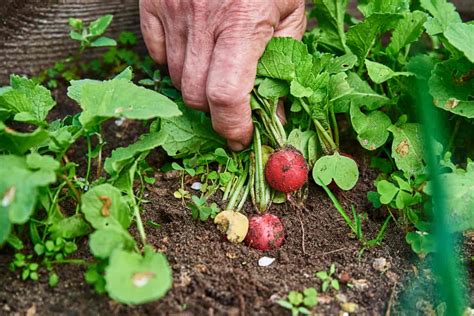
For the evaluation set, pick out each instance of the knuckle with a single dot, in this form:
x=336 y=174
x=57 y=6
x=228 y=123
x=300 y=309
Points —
x=227 y=96
x=193 y=98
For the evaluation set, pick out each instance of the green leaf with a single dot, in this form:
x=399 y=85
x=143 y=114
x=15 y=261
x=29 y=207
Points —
x=104 y=242
x=285 y=304
x=69 y=227
x=18 y=142
x=461 y=36
x=75 y=23
x=338 y=87
x=99 y=26
x=330 y=16
x=76 y=36
x=103 y=42
x=407 y=147
x=361 y=37
x=127 y=74
x=443 y=12
x=295 y=298
x=341 y=63
x=29 y=101
x=459 y=198
x=452 y=87
x=133 y=279
x=5 y=226
x=118 y=98
x=124 y=156
x=421 y=242
x=273 y=88
x=340 y=169
x=371 y=128
x=36 y=161
x=281 y=58
x=361 y=94
x=302 y=141
x=408 y=30
x=379 y=73
x=104 y=206
x=19 y=190
x=384 y=6
x=190 y=133
x=299 y=91
x=387 y=191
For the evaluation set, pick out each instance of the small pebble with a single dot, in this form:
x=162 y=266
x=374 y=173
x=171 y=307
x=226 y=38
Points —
x=196 y=186
x=349 y=307
x=120 y=121
x=361 y=284
x=381 y=264
x=344 y=277
x=341 y=298
x=265 y=261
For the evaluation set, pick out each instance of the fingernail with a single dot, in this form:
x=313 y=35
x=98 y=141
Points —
x=235 y=146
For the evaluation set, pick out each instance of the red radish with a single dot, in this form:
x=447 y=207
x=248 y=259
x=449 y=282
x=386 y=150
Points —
x=265 y=232
x=286 y=170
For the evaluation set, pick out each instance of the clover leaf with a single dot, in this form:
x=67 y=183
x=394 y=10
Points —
x=340 y=169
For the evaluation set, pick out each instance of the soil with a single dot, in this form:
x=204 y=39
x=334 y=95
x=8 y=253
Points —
x=215 y=277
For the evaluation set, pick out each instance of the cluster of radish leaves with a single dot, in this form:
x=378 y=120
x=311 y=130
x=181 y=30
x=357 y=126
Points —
x=36 y=174
x=377 y=95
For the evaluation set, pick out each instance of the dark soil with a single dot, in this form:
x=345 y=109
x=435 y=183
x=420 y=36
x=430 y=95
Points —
x=212 y=276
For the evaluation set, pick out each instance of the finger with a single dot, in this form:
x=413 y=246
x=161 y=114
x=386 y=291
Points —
x=294 y=24
x=196 y=66
x=175 y=51
x=153 y=33
x=231 y=78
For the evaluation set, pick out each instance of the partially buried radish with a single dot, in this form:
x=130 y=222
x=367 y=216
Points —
x=286 y=170
x=265 y=232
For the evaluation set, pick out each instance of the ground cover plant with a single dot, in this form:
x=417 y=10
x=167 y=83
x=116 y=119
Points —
x=348 y=80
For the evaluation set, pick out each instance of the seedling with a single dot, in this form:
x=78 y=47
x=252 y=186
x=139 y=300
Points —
x=328 y=278
x=29 y=270
x=355 y=224
x=300 y=303
x=91 y=36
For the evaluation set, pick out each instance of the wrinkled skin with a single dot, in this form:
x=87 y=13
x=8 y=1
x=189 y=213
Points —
x=212 y=48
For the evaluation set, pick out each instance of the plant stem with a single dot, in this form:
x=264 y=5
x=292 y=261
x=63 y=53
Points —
x=334 y=126
x=227 y=188
x=453 y=136
x=89 y=158
x=141 y=229
x=244 y=198
x=322 y=133
x=73 y=261
x=71 y=186
x=235 y=195
x=99 y=157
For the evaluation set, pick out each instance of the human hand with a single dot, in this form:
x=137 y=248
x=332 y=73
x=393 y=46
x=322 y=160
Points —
x=212 y=48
